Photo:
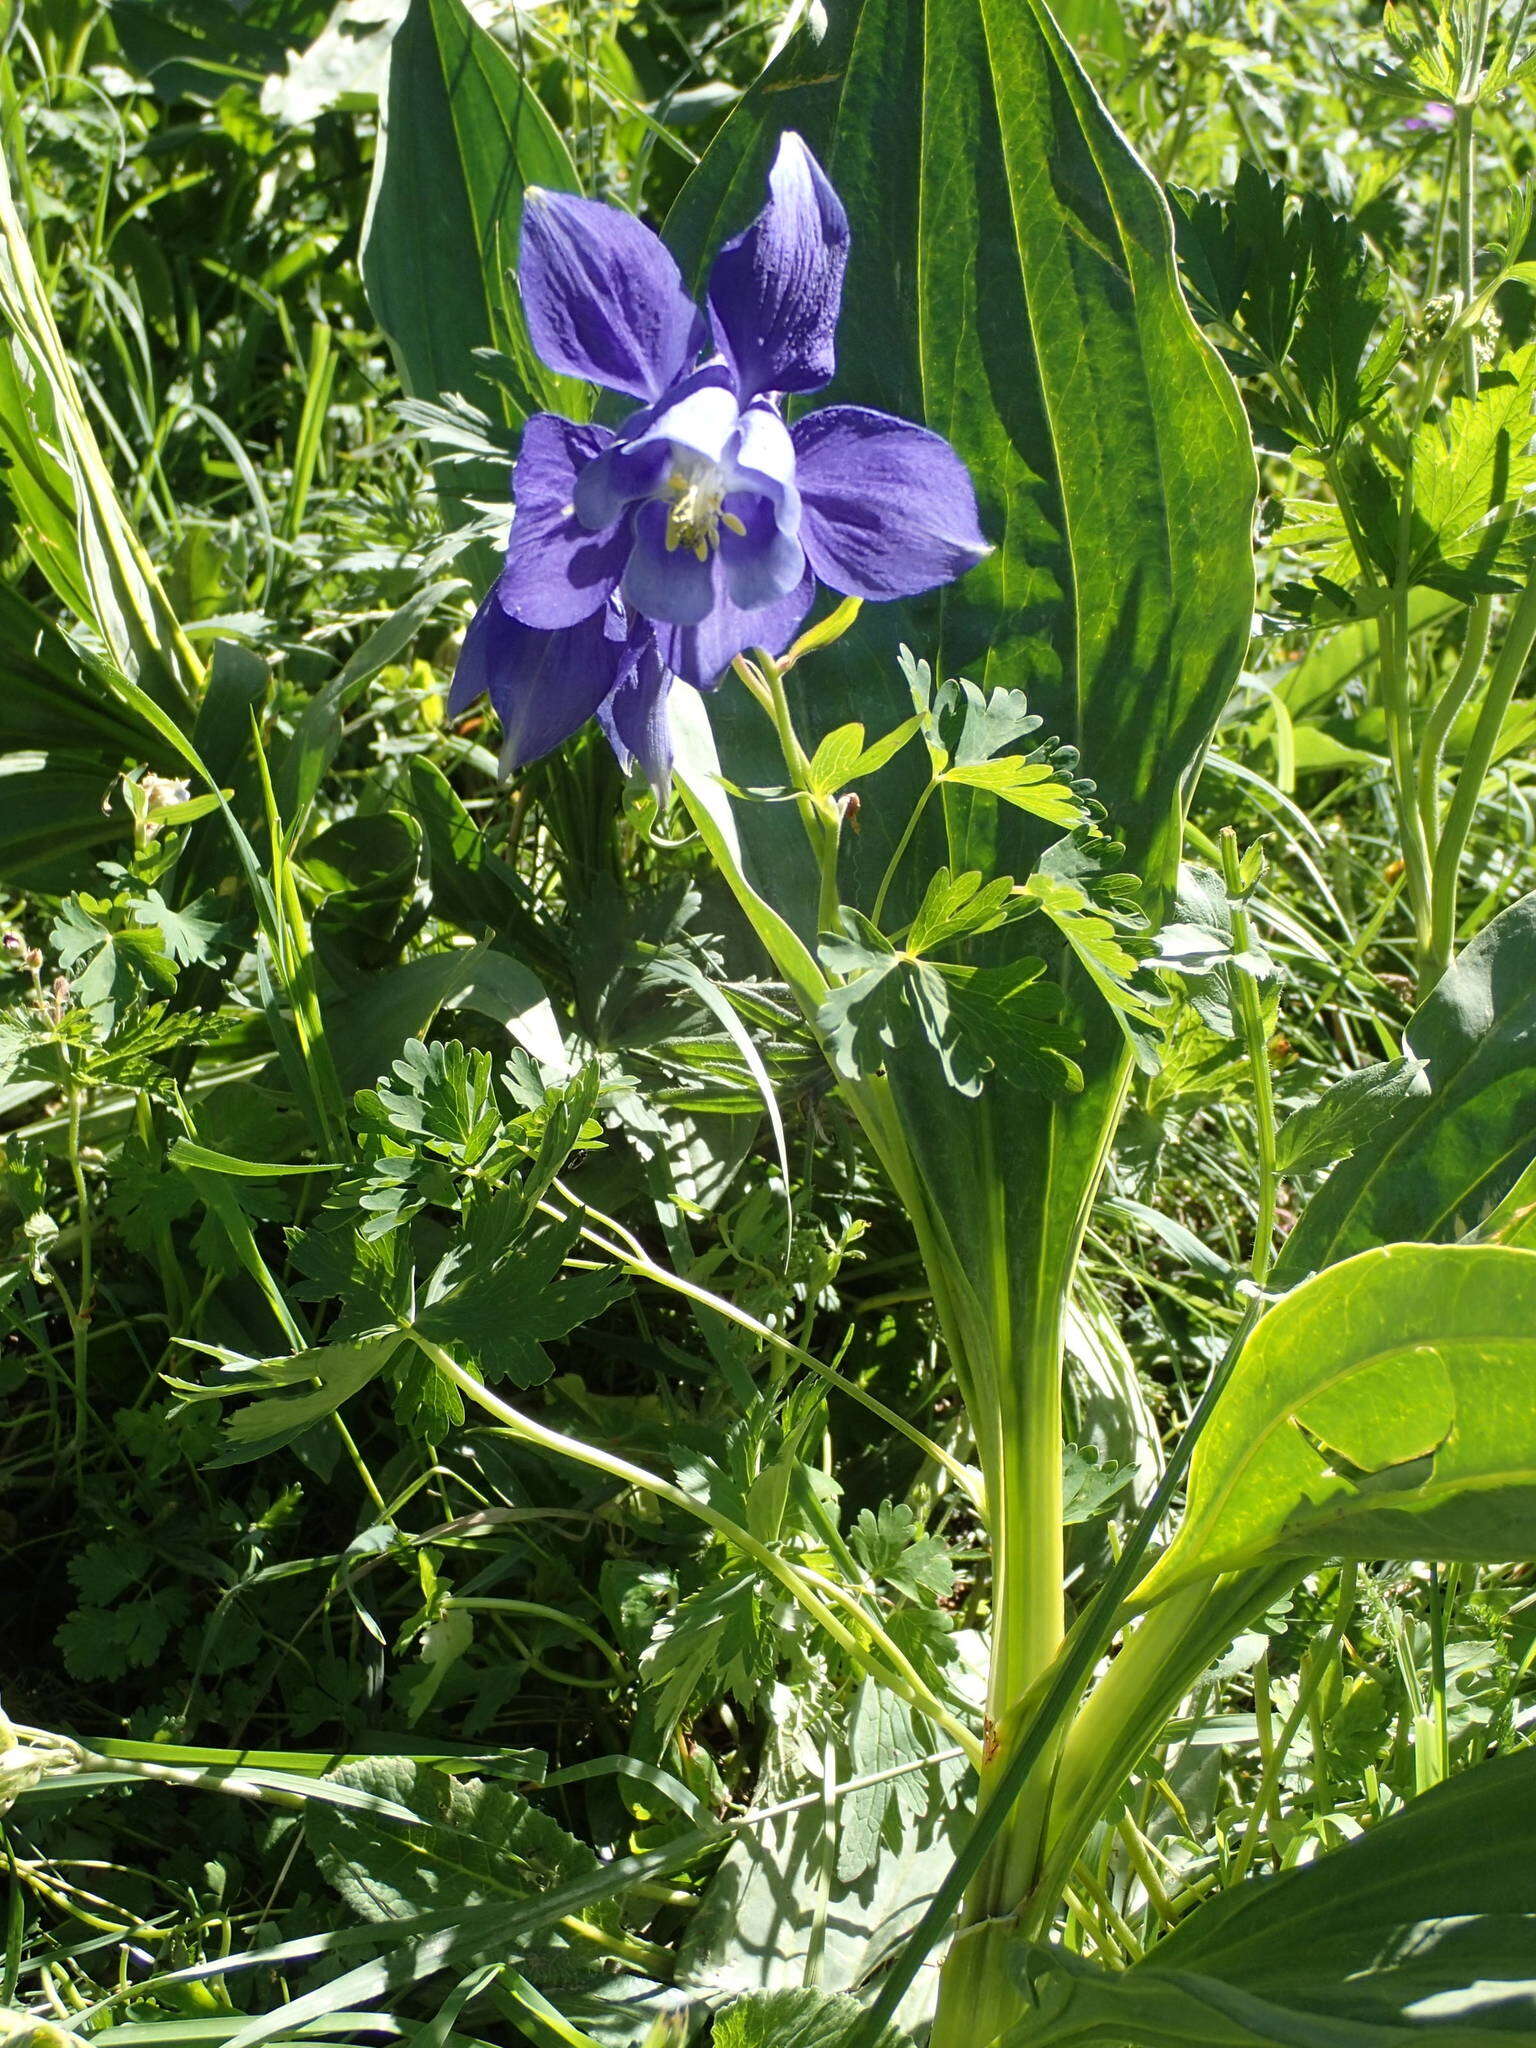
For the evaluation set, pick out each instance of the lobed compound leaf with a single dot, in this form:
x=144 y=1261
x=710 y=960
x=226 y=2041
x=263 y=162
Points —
x=1473 y=474
x=844 y=755
x=498 y=1298
x=795 y=2019
x=1089 y=1483
x=889 y=1544
x=969 y=1021
x=335 y=1373
x=1344 y=1116
x=958 y=907
x=473 y=1842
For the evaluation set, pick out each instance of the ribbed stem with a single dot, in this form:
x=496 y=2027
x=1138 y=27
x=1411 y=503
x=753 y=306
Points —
x=978 y=1997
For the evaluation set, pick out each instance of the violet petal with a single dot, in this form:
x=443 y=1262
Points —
x=557 y=570
x=702 y=653
x=602 y=295
x=662 y=582
x=764 y=563
x=887 y=509
x=544 y=686
x=634 y=716
x=775 y=290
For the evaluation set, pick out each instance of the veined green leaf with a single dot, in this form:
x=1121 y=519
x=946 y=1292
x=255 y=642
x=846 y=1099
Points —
x=1346 y=1115
x=795 y=2019
x=340 y=1370
x=1118 y=593
x=1439 y=1161
x=465 y=135
x=956 y=907
x=1418 y=1931
x=1471 y=472
x=832 y=763
x=842 y=755
x=1385 y=1408
x=469 y=1843
x=966 y=1022
x=1030 y=786
x=1103 y=955
x=1011 y=285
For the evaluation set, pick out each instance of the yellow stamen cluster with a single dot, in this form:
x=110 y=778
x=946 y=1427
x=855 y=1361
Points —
x=694 y=518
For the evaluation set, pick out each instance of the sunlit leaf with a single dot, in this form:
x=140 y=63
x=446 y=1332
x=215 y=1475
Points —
x=1385 y=1408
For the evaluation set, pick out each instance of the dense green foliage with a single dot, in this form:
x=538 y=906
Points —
x=558 y=1355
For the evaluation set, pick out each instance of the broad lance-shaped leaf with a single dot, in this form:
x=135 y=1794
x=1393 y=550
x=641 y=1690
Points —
x=1385 y=1408
x=1421 y=1931
x=464 y=136
x=1011 y=283
x=1440 y=1160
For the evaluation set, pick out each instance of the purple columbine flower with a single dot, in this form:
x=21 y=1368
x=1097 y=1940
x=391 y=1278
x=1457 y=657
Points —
x=700 y=527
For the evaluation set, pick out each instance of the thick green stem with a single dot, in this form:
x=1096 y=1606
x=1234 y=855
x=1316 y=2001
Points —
x=1028 y=1570
x=1028 y=1564
x=978 y=1998
x=822 y=818
x=1127 y=1709
x=1075 y=1780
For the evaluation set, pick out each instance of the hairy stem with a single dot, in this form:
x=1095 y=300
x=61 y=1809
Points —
x=1519 y=637
x=80 y=1321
